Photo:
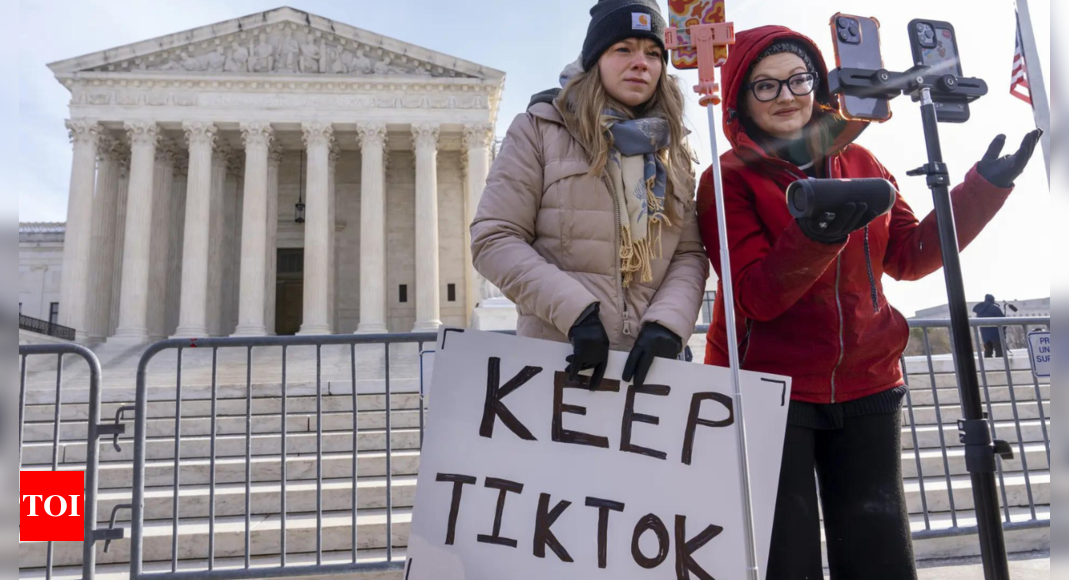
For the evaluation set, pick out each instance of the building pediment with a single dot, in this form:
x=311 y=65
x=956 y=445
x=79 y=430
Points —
x=280 y=42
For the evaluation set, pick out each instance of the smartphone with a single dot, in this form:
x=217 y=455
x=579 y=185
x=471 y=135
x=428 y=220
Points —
x=683 y=14
x=935 y=44
x=857 y=45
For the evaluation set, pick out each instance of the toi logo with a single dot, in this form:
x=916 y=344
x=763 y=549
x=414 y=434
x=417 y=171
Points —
x=51 y=506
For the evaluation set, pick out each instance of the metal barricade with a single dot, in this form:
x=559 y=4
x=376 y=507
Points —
x=1024 y=490
x=286 y=561
x=95 y=431
x=930 y=450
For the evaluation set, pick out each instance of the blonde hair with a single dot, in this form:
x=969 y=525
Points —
x=584 y=99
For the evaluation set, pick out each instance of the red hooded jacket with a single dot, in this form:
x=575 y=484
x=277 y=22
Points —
x=806 y=309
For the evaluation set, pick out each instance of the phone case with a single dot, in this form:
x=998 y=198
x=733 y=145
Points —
x=685 y=13
x=857 y=45
x=943 y=56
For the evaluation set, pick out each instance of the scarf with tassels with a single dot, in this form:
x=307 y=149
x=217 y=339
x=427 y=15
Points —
x=638 y=179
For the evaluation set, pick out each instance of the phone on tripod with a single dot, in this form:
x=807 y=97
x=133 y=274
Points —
x=934 y=44
x=683 y=14
x=857 y=45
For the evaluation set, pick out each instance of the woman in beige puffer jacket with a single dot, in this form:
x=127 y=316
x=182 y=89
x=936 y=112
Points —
x=550 y=231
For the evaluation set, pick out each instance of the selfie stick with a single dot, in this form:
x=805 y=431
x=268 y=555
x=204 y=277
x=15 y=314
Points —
x=980 y=450
x=706 y=37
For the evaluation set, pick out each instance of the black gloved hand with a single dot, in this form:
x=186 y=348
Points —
x=654 y=341
x=1003 y=171
x=828 y=210
x=590 y=346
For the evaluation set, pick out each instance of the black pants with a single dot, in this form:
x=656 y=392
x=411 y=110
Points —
x=993 y=347
x=865 y=517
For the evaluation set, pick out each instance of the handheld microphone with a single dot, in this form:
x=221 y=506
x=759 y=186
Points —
x=814 y=197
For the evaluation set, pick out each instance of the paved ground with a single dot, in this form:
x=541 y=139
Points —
x=1031 y=566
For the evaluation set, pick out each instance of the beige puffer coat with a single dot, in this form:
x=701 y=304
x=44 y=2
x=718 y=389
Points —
x=547 y=234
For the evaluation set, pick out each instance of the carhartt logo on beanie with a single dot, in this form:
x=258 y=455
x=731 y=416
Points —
x=614 y=20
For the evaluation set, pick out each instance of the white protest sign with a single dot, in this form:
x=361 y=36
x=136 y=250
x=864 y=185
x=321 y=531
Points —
x=525 y=475
x=1039 y=351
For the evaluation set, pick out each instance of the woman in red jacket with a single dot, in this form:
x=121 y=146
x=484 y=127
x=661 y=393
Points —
x=810 y=305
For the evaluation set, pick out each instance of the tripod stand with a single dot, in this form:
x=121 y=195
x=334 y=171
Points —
x=974 y=433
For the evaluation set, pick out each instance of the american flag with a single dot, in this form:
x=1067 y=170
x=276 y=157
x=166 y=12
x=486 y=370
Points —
x=1020 y=71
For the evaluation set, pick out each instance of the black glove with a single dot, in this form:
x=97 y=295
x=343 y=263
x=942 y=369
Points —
x=590 y=346
x=1003 y=171
x=828 y=210
x=654 y=341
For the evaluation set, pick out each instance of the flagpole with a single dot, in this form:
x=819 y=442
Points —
x=1037 y=86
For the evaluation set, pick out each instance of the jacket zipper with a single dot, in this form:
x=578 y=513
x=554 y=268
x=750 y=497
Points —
x=842 y=342
x=619 y=274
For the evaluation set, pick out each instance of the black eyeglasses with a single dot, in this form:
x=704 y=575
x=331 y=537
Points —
x=800 y=85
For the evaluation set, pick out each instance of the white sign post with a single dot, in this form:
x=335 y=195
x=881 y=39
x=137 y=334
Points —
x=526 y=475
x=1040 y=353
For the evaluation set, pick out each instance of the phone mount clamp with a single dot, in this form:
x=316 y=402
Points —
x=705 y=38
x=931 y=88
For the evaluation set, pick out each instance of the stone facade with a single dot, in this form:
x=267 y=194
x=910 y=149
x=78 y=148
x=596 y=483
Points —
x=40 y=268
x=192 y=150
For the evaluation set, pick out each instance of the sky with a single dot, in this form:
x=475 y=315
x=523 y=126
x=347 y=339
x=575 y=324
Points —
x=532 y=41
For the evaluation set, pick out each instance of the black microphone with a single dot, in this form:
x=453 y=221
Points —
x=814 y=197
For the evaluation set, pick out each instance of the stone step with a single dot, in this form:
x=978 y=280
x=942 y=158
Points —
x=226 y=446
x=995 y=378
x=233 y=407
x=935 y=492
x=119 y=475
x=192 y=425
x=932 y=460
x=265 y=498
x=77 y=392
x=301 y=532
x=928 y=435
x=956 y=545
x=296 y=561
x=926 y=415
x=951 y=396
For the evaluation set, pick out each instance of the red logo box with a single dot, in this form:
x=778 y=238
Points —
x=51 y=506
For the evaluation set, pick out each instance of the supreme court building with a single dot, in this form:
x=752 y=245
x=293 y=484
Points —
x=277 y=173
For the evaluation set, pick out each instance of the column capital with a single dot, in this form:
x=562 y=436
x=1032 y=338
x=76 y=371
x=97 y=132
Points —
x=166 y=151
x=199 y=133
x=142 y=132
x=274 y=154
x=83 y=130
x=333 y=155
x=181 y=165
x=107 y=149
x=317 y=134
x=425 y=136
x=235 y=162
x=372 y=135
x=478 y=136
x=257 y=134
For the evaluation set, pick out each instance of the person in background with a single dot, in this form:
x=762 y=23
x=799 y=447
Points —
x=810 y=305
x=991 y=335
x=588 y=220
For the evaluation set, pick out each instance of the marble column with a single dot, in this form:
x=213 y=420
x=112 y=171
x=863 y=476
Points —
x=428 y=298
x=175 y=241
x=477 y=139
x=317 y=230
x=159 y=251
x=102 y=252
x=253 y=281
x=332 y=194
x=193 y=312
x=372 y=229
x=133 y=304
x=120 y=236
x=216 y=239
x=274 y=161
x=74 y=289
